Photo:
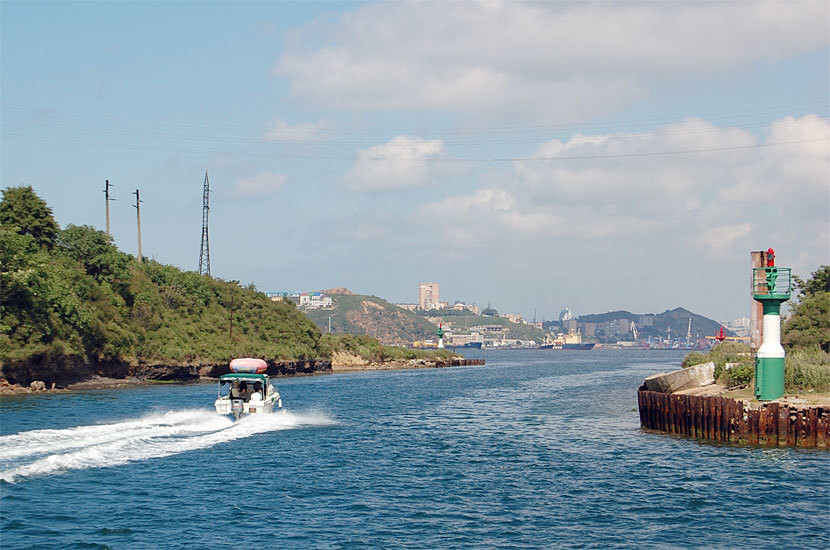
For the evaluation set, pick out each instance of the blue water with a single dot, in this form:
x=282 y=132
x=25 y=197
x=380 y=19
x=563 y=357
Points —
x=537 y=449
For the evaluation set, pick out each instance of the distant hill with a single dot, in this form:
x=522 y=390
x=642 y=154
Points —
x=373 y=316
x=650 y=324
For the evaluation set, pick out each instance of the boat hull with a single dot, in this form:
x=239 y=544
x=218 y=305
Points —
x=569 y=346
x=469 y=345
x=226 y=406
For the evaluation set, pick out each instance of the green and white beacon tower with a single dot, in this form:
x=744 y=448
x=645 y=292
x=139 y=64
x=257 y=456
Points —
x=771 y=286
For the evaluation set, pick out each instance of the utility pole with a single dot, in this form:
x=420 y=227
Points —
x=230 y=318
x=137 y=207
x=204 y=251
x=108 y=199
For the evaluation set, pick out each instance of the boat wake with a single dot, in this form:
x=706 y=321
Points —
x=43 y=452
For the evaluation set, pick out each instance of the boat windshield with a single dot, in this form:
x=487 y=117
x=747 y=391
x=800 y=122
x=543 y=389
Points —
x=242 y=386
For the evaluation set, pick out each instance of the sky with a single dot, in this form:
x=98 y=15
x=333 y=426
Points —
x=530 y=156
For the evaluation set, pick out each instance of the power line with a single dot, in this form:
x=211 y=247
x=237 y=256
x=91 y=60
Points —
x=448 y=159
x=340 y=129
x=666 y=153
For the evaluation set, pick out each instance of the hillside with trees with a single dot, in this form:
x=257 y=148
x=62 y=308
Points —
x=71 y=302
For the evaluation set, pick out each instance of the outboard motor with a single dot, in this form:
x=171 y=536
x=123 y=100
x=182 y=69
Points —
x=236 y=408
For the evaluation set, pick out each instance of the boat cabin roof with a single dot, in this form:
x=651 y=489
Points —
x=243 y=376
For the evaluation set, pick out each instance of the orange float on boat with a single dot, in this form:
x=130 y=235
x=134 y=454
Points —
x=249 y=365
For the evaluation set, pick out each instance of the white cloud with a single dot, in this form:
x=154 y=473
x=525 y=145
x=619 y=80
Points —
x=721 y=237
x=262 y=184
x=557 y=60
x=720 y=202
x=401 y=163
x=296 y=133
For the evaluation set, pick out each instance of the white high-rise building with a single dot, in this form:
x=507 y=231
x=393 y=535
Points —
x=428 y=296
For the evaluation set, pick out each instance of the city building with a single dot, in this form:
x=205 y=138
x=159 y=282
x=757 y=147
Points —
x=315 y=300
x=428 y=296
x=623 y=326
x=461 y=306
x=408 y=307
x=283 y=296
x=565 y=314
x=512 y=317
x=739 y=326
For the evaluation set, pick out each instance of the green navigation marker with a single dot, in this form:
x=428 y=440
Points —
x=771 y=286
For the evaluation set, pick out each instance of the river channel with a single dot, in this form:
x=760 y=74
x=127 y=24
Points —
x=536 y=449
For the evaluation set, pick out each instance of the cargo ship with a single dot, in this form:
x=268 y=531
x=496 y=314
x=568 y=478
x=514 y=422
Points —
x=587 y=346
x=469 y=345
x=567 y=341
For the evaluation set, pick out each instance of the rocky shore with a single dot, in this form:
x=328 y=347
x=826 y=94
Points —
x=39 y=377
x=345 y=362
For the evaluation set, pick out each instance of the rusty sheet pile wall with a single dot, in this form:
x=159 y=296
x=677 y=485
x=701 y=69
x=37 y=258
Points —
x=724 y=419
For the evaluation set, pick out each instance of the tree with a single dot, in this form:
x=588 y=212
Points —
x=809 y=325
x=23 y=209
x=94 y=249
x=819 y=281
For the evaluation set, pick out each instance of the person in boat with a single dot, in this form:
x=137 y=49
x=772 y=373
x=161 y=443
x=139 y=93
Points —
x=243 y=392
x=257 y=395
x=234 y=392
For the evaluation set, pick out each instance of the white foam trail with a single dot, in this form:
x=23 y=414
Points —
x=42 y=452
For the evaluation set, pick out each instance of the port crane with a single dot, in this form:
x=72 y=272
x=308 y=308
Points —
x=689 y=333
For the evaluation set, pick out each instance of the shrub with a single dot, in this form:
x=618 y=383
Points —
x=694 y=358
x=740 y=374
x=721 y=354
x=807 y=369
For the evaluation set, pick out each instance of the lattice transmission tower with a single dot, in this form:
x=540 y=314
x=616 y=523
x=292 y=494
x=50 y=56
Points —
x=204 y=253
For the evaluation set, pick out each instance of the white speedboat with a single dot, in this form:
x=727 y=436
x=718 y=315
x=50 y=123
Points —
x=243 y=393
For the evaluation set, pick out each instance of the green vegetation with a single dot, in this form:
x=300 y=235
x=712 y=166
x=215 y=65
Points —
x=809 y=325
x=371 y=350
x=737 y=354
x=71 y=297
x=807 y=370
x=22 y=208
x=806 y=335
